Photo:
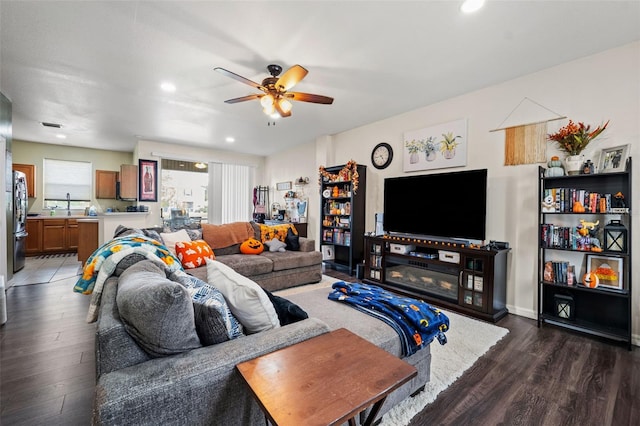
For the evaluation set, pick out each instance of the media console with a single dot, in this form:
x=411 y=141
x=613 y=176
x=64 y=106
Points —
x=450 y=274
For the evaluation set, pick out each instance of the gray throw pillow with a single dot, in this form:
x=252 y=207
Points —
x=156 y=312
x=275 y=245
x=214 y=321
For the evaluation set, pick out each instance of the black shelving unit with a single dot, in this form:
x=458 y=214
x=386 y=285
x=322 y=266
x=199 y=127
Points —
x=602 y=311
x=342 y=213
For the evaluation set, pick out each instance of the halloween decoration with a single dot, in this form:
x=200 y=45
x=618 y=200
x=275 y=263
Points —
x=251 y=246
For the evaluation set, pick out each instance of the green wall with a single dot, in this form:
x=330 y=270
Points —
x=34 y=153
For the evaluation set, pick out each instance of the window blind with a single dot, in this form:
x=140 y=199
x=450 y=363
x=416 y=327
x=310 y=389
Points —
x=231 y=194
x=67 y=177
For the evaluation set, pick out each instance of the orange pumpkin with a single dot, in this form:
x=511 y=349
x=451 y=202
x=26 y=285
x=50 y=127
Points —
x=578 y=207
x=590 y=280
x=251 y=246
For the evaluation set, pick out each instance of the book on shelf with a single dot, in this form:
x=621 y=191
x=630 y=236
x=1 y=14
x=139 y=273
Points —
x=558 y=272
x=564 y=199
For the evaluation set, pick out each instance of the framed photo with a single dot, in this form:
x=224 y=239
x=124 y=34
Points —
x=148 y=180
x=609 y=270
x=436 y=147
x=613 y=159
x=283 y=186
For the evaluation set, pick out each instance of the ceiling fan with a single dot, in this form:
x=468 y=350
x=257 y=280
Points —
x=276 y=97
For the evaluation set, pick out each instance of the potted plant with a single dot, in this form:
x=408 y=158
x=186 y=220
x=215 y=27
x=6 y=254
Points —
x=448 y=145
x=573 y=139
x=429 y=148
x=414 y=148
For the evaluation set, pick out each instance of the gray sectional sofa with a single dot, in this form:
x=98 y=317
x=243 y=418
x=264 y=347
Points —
x=201 y=386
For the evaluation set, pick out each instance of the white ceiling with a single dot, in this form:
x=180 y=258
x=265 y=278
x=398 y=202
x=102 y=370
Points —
x=96 y=67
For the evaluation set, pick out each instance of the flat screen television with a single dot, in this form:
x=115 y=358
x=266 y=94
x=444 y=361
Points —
x=447 y=205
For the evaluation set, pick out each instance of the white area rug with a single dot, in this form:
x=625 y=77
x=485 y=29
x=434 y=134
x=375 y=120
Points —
x=468 y=339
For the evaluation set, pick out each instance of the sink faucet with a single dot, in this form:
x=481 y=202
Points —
x=68 y=204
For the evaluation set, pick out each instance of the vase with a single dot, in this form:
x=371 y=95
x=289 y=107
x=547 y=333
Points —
x=431 y=155
x=413 y=158
x=573 y=164
x=449 y=153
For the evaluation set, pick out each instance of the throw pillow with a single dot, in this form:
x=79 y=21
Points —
x=245 y=298
x=193 y=253
x=292 y=240
x=251 y=246
x=155 y=311
x=275 y=245
x=214 y=321
x=171 y=238
x=288 y=312
x=268 y=232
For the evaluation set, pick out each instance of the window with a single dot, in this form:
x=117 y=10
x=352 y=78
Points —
x=67 y=181
x=231 y=193
x=183 y=190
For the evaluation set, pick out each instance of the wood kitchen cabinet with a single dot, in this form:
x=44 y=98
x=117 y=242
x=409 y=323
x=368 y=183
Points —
x=51 y=235
x=88 y=241
x=30 y=171
x=128 y=182
x=106 y=184
x=34 y=239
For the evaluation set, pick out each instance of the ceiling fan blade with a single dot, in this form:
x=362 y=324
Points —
x=309 y=97
x=242 y=99
x=282 y=112
x=290 y=78
x=240 y=78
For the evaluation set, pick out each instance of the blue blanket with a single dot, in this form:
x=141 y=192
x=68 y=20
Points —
x=415 y=321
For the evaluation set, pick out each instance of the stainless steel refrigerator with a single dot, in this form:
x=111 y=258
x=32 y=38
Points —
x=19 y=219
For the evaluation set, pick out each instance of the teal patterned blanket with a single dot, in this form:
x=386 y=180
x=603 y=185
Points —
x=415 y=321
x=102 y=263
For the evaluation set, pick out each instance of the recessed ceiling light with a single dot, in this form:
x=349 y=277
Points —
x=470 y=6
x=61 y=136
x=230 y=139
x=168 y=87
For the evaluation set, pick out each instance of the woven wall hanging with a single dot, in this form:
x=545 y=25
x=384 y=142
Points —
x=526 y=143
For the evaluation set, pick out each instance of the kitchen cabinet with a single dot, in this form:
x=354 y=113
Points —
x=51 y=235
x=88 y=238
x=106 y=184
x=34 y=239
x=128 y=182
x=30 y=171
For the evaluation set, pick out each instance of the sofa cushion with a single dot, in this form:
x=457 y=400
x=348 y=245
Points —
x=293 y=259
x=193 y=253
x=245 y=298
x=171 y=238
x=122 y=231
x=275 y=245
x=251 y=246
x=156 y=312
x=270 y=232
x=288 y=312
x=292 y=240
x=214 y=321
x=248 y=265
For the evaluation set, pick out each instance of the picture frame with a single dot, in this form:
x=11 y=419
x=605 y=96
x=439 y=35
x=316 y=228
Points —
x=147 y=180
x=283 y=186
x=608 y=269
x=436 y=147
x=613 y=159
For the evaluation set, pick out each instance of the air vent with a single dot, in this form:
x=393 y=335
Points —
x=57 y=126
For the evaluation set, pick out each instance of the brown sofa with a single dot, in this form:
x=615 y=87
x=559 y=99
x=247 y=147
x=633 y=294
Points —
x=271 y=270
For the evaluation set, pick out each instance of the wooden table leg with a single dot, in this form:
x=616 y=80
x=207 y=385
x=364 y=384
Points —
x=374 y=412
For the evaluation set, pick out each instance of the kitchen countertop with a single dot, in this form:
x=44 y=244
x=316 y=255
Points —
x=64 y=216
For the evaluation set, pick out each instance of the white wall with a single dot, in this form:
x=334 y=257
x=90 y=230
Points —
x=594 y=89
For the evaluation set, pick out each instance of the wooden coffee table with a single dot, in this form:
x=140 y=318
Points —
x=325 y=380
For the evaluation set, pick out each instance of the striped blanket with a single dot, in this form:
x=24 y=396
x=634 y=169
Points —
x=415 y=321
x=102 y=264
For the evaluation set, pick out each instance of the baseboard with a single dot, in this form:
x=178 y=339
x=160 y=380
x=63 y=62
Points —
x=527 y=313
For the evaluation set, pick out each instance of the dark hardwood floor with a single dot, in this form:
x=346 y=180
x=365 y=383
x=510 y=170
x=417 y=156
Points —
x=533 y=376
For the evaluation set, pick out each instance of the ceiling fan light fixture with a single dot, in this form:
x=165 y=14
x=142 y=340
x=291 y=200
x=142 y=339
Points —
x=270 y=109
x=285 y=105
x=267 y=101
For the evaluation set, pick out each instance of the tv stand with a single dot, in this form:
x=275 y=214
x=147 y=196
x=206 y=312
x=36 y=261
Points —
x=451 y=274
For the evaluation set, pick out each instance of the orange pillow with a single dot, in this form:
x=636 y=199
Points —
x=193 y=253
x=251 y=246
x=268 y=233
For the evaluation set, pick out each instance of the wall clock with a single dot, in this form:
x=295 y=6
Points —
x=381 y=155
